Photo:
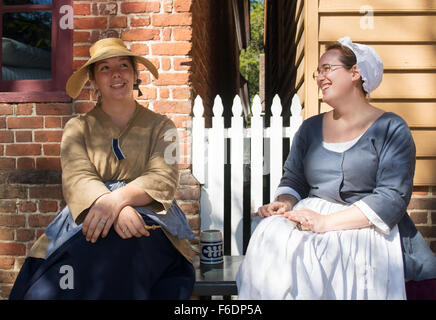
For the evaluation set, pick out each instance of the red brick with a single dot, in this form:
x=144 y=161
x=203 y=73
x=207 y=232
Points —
x=81 y=9
x=166 y=34
x=6 y=234
x=81 y=51
x=53 y=122
x=25 y=163
x=139 y=48
x=90 y=23
x=164 y=93
x=117 y=22
x=171 y=49
x=6 y=136
x=140 y=35
x=23 y=136
x=419 y=217
x=40 y=220
x=48 y=136
x=25 y=235
x=172 y=19
x=104 y=9
x=53 y=109
x=51 y=149
x=23 y=150
x=12 y=220
x=48 y=164
x=27 y=206
x=81 y=36
x=138 y=7
x=184 y=34
x=7 y=263
x=25 y=123
x=140 y=21
x=2 y=123
x=10 y=276
x=6 y=109
x=25 y=109
x=166 y=63
x=48 y=206
x=8 y=206
x=147 y=93
x=167 y=79
x=181 y=93
x=181 y=64
x=188 y=193
x=172 y=107
x=45 y=193
x=182 y=5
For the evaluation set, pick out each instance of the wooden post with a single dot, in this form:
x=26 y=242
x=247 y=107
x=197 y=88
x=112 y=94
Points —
x=311 y=56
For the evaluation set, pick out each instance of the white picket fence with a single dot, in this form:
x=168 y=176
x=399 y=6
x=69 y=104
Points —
x=209 y=154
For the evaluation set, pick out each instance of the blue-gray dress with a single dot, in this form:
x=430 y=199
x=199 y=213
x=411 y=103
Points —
x=378 y=170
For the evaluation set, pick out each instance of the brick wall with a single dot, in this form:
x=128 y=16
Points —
x=30 y=133
x=422 y=210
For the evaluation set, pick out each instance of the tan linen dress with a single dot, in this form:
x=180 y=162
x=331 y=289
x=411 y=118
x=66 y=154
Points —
x=88 y=161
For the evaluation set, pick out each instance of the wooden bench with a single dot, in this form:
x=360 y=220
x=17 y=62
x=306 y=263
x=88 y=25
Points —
x=216 y=280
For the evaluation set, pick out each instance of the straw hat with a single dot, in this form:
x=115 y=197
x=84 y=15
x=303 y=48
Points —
x=103 y=49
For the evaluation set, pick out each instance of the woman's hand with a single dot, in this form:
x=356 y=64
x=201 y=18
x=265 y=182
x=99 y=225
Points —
x=273 y=208
x=309 y=220
x=100 y=217
x=130 y=223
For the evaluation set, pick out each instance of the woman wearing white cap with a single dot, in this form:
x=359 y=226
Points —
x=338 y=228
x=122 y=235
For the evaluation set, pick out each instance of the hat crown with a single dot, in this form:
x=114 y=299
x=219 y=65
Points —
x=104 y=44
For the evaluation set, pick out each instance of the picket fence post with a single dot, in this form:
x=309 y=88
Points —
x=209 y=154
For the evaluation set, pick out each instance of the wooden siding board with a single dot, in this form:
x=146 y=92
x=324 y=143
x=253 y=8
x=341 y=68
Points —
x=416 y=57
x=417 y=28
x=335 y=6
x=425 y=172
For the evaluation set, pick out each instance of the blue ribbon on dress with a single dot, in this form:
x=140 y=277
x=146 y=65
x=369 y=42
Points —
x=63 y=226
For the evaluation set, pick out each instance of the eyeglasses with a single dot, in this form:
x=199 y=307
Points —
x=325 y=69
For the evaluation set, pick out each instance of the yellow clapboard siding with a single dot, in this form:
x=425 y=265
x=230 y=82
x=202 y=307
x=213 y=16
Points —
x=425 y=142
x=425 y=172
x=416 y=114
x=405 y=56
x=385 y=28
x=406 y=86
x=328 y=6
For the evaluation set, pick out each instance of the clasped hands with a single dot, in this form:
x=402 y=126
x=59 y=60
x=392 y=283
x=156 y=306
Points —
x=303 y=219
x=105 y=212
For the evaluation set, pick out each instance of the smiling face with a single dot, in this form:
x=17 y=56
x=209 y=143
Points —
x=339 y=81
x=114 y=77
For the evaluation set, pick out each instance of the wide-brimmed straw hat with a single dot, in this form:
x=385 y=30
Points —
x=103 y=49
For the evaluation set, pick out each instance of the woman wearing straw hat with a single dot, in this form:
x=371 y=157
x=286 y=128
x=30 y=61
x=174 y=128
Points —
x=122 y=235
x=338 y=228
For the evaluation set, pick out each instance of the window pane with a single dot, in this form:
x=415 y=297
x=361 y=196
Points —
x=20 y=2
x=26 y=45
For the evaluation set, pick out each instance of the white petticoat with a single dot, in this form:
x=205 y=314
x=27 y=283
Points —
x=282 y=262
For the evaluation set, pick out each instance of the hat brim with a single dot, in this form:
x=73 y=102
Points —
x=79 y=78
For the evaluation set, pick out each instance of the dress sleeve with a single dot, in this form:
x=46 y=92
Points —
x=394 y=179
x=293 y=176
x=81 y=184
x=160 y=177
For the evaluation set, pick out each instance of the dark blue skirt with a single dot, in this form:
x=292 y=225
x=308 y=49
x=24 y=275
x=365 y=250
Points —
x=111 y=268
